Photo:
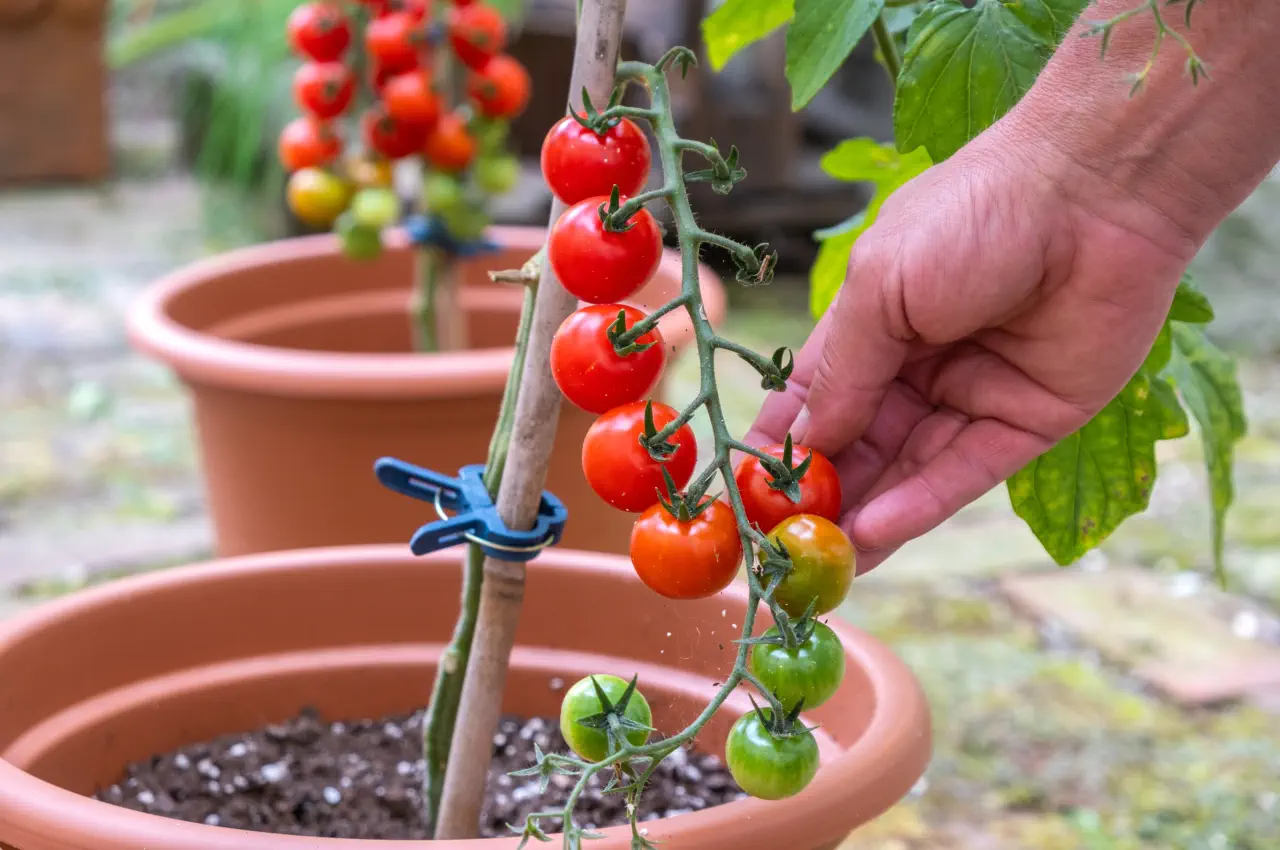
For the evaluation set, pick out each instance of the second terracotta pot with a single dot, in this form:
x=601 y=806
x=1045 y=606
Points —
x=299 y=367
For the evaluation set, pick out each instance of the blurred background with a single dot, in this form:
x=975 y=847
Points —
x=1121 y=703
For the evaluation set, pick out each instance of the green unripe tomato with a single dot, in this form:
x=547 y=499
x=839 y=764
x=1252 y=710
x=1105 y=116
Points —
x=812 y=671
x=769 y=767
x=465 y=223
x=359 y=241
x=581 y=702
x=490 y=133
x=498 y=174
x=376 y=208
x=442 y=193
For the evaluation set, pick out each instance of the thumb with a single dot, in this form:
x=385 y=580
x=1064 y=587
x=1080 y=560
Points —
x=864 y=349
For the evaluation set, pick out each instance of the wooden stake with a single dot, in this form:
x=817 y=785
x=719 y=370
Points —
x=538 y=410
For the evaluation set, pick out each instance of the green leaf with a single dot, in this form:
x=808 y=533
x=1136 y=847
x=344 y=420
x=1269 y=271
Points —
x=857 y=160
x=1079 y=491
x=738 y=24
x=1205 y=377
x=963 y=69
x=1173 y=417
x=1050 y=19
x=821 y=36
x=1189 y=303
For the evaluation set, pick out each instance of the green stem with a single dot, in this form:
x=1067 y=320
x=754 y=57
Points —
x=442 y=713
x=690 y=239
x=888 y=48
x=426 y=325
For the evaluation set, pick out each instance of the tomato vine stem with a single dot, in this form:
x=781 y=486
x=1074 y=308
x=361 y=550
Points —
x=888 y=48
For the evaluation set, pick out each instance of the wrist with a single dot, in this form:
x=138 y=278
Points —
x=1171 y=161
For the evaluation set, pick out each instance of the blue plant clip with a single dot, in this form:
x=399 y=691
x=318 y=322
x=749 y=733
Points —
x=475 y=518
x=430 y=231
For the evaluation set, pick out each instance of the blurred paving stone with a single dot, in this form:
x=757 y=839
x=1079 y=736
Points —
x=962 y=548
x=1195 y=644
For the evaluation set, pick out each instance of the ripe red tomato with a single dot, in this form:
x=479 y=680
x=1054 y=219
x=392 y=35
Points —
x=411 y=97
x=766 y=507
x=823 y=564
x=324 y=89
x=318 y=31
x=450 y=146
x=391 y=39
x=390 y=136
x=577 y=163
x=621 y=470
x=307 y=143
x=600 y=266
x=686 y=560
x=501 y=88
x=477 y=33
x=419 y=10
x=588 y=370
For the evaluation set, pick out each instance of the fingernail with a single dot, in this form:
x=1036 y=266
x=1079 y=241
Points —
x=800 y=427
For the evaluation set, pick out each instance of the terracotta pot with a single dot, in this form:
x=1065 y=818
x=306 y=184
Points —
x=109 y=676
x=300 y=368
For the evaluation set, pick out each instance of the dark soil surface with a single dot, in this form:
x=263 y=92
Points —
x=361 y=779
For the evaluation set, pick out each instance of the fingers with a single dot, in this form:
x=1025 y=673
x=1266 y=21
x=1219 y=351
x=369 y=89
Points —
x=945 y=465
x=861 y=355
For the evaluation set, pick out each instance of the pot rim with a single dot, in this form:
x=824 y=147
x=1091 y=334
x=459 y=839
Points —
x=202 y=358
x=28 y=806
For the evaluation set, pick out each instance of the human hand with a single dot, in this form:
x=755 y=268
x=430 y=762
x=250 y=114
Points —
x=1000 y=300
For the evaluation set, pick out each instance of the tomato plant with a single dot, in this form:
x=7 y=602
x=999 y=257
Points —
x=767 y=494
x=500 y=89
x=588 y=369
x=812 y=670
x=686 y=557
x=391 y=137
x=600 y=265
x=324 y=89
x=580 y=163
x=822 y=564
x=618 y=466
x=319 y=31
x=307 y=143
x=770 y=765
x=593 y=698
x=392 y=40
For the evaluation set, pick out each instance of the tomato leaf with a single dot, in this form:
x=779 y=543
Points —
x=821 y=36
x=1205 y=377
x=1050 y=19
x=963 y=69
x=1189 y=303
x=737 y=24
x=1174 y=422
x=1079 y=491
x=866 y=161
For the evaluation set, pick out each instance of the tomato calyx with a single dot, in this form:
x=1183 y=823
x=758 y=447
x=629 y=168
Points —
x=685 y=507
x=612 y=719
x=784 y=477
x=616 y=216
x=756 y=266
x=545 y=768
x=773 y=565
x=658 y=443
x=783 y=726
x=724 y=173
x=617 y=335
x=792 y=632
x=594 y=120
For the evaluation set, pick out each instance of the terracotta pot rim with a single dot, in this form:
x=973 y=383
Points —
x=203 y=358
x=29 y=805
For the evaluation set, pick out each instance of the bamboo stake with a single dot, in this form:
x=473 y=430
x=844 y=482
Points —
x=537 y=412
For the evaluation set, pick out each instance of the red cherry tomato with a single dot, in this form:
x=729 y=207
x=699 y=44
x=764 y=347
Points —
x=588 y=370
x=579 y=164
x=621 y=471
x=324 y=89
x=477 y=33
x=686 y=560
x=307 y=143
x=501 y=88
x=318 y=31
x=419 y=10
x=450 y=146
x=391 y=137
x=411 y=97
x=766 y=507
x=392 y=39
x=600 y=266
